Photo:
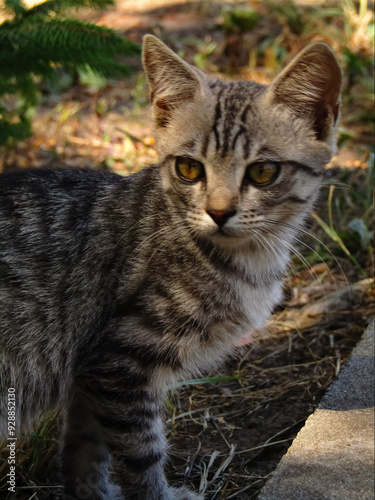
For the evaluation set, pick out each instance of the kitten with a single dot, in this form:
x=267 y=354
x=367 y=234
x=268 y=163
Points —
x=112 y=288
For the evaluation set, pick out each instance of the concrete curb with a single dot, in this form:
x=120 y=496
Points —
x=332 y=457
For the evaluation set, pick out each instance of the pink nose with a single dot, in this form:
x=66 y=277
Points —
x=221 y=216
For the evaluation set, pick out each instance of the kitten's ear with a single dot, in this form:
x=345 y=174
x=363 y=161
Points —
x=172 y=81
x=310 y=86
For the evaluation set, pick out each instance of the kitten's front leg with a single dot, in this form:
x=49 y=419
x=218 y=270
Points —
x=138 y=455
x=128 y=408
x=85 y=460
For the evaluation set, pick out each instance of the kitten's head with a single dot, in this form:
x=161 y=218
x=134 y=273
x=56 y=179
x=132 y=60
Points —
x=241 y=161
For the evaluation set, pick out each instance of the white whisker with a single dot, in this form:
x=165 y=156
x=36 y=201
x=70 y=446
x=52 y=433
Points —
x=270 y=221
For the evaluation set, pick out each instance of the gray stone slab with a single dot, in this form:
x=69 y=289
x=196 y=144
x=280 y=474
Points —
x=332 y=457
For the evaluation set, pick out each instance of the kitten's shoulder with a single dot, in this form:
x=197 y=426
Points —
x=66 y=179
x=54 y=177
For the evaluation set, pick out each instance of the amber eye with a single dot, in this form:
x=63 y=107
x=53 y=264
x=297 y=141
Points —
x=189 y=169
x=263 y=173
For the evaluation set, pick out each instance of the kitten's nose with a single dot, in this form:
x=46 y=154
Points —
x=221 y=216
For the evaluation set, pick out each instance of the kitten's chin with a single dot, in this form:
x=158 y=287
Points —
x=225 y=239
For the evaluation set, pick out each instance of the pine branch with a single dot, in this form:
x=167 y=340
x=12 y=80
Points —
x=24 y=84
x=15 y=6
x=36 y=41
x=31 y=47
x=17 y=131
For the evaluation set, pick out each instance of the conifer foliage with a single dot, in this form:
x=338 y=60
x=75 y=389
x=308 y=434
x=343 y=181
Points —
x=35 y=42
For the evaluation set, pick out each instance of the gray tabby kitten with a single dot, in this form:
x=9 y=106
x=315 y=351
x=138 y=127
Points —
x=113 y=288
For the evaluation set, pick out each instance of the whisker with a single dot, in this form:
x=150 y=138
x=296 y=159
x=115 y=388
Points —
x=307 y=265
x=140 y=221
x=304 y=231
x=146 y=241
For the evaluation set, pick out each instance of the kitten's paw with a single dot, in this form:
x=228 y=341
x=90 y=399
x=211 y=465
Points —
x=114 y=492
x=184 y=494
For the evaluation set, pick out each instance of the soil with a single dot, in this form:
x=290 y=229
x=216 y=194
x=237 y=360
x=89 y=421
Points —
x=252 y=422
x=226 y=437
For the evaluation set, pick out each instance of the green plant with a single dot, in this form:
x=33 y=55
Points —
x=204 y=49
x=36 y=454
x=239 y=19
x=351 y=234
x=357 y=65
x=140 y=93
x=39 y=41
x=201 y=58
x=288 y=12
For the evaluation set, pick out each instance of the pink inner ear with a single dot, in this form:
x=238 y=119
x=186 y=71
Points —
x=244 y=340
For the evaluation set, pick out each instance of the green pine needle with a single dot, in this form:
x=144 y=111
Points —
x=37 y=41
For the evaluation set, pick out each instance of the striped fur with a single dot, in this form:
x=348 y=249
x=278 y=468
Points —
x=113 y=288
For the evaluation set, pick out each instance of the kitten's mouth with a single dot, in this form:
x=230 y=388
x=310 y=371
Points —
x=223 y=232
x=226 y=237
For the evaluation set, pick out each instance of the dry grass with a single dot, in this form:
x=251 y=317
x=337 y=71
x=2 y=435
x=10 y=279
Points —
x=226 y=438
x=226 y=435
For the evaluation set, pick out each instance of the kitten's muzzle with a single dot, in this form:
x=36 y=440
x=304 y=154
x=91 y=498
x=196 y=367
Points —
x=220 y=217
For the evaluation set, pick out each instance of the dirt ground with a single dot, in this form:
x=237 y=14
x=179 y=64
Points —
x=248 y=425
x=228 y=433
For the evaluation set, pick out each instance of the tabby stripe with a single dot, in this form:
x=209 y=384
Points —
x=246 y=147
x=216 y=83
x=133 y=307
x=124 y=426
x=163 y=290
x=205 y=145
x=244 y=113
x=134 y=396
x=182 y=322
x=230 y=115
x=141 y=464
x=11 y=278
x=189 y=144
x=208 y=253
x=184 y=325
x=266 y=153
x=217 y=118
x=146 y=355
x=305 y=168
x=150 y=438
x=123 y=393
x=296 y=199
x=123 y=373
x=239 y=133
x=274 y=202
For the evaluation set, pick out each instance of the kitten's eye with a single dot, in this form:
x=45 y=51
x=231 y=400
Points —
x=263 y=173
x=189 y=169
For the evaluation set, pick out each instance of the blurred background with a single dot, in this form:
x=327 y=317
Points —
x=73 y=94
x=81 y=116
